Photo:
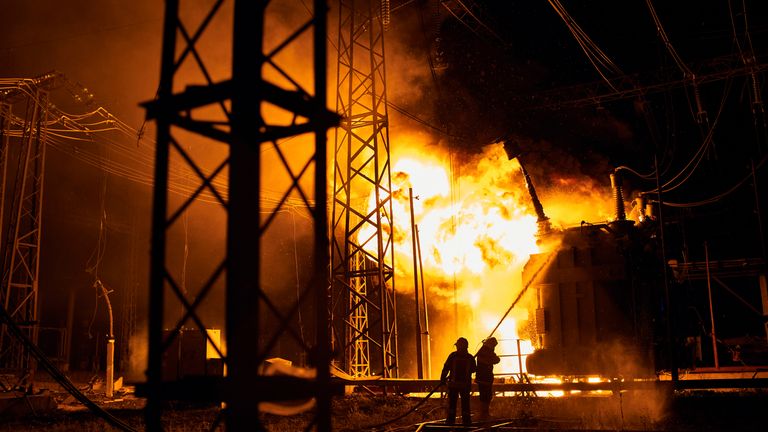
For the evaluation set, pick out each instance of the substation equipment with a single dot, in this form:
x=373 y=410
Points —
x=21 y=201
x=606 y=306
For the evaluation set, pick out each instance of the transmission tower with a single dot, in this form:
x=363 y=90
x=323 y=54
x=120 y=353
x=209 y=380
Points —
x=362 y=254
x=21 y=239
x=236 y=112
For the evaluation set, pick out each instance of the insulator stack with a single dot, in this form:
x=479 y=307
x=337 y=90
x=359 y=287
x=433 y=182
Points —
x=385 y=12
x=618 y=197
x=701 y=114
x=757 y=102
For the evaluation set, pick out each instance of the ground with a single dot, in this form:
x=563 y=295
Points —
x=639 y=411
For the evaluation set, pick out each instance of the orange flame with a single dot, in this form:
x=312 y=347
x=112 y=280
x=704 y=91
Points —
x=477 y=229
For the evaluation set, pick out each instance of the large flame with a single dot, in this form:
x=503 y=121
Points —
x=468 y=226
x=477 y=228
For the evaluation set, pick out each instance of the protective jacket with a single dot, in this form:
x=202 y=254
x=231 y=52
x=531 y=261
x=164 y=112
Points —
x=486 y=358
x=458 y=369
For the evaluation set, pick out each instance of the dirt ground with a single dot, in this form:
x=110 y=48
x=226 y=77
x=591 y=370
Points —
x=628 y=411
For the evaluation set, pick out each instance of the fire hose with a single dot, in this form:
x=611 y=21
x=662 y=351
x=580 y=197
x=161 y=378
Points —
x=58 y=375
x=410 y=411
x=522 y=291
x=514 y=303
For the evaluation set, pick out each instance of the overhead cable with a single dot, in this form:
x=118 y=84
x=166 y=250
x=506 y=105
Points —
x=596 y=56
x=719 y=196
x=701 y=114
x=698 y=156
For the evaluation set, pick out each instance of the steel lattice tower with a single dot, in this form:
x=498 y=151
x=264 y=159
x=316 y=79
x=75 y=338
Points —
x=362 y=292
x=231 y=113
x=21 y=241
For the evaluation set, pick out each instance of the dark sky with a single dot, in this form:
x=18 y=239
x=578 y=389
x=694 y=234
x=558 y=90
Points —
x=519 y=80
x=519 y=74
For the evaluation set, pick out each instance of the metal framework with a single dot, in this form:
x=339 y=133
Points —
x=362 y=254
x=232 y=112
x=21 y=247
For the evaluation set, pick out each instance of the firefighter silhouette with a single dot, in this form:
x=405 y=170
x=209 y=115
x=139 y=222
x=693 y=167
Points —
x=486 y=358
x=457 y=375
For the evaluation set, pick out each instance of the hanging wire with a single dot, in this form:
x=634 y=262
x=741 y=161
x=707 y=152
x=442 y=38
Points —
x=718 y=197
x=701 y=114
x=697 y=157
x=596 y=56
x=66 y=130
x=298 y=282
x=648 y=176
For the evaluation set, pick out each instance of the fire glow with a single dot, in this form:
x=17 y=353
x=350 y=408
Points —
x=477 y=228
x=476 y=231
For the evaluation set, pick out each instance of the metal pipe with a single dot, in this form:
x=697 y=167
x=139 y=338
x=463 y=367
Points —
x=419 y=360
x=424 y=307
x=70 y=325
x=322 y=241
x=711 y=308
x=244 y=242
x=761 y=280
x=5 y=122
x=671 y=345
x=110 y=369
x=153 y=410
x=109 y=377
x=759 y=214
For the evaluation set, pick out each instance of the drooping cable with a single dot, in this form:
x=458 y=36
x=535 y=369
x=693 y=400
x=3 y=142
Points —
x=422 y=122
x=403 y=415
x=718 y=197
x=685 y=173
x=56 y=374
x=298 y=281
x=595 y=55
x=701 y=114
x=648 y=176
x=461 y=18
x=128 y=162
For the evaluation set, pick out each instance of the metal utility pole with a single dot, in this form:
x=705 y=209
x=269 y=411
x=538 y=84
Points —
x=713 y=334
x=427 y=342
x=229 y=111
x=21 y=252
x=5 y=138
x=414 y=236
x=362 y=253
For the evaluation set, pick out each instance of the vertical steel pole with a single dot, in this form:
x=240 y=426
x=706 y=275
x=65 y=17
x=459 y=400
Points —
x=109 y=376
x=244 y=220
x=427 y=341
x=711 y=308
x=419 y=360
x=153 y=409
x=322 y=242
x=671 y=345
x=5 y=122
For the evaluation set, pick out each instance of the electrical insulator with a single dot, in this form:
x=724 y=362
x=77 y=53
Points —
x=385 y=9
x=701 y=114
x=757 y=102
